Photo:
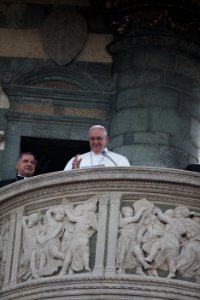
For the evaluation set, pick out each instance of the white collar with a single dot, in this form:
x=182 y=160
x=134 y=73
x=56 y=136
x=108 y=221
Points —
x=23 y=176
x=105 y=152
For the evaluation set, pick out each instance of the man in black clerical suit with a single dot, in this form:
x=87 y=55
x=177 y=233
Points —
x=25 y=166
x=193 y=168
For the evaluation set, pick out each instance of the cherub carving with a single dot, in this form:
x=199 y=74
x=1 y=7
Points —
x=188 y=262
x=29 y=263
x=127 y=247
x=52 y=256
x=177 y=226
x=78 y=253
x=151 y=239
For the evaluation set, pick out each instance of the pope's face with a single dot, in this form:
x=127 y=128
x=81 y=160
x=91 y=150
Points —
x=98 y=140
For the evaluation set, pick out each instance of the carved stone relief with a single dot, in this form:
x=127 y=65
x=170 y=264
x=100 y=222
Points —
x=101 y=233
x=4 y=235
x=151 y=241
x=58 y=241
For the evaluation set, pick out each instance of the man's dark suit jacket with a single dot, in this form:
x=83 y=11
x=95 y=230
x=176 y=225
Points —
x=8 y=181
x=193 y=167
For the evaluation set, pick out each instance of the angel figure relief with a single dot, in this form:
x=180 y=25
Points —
x=41 y=245
x=77 y=254
x=151 y=240
x=57 y=240
x=52 y=257
x=29 y=256
x=178 y=225
x=154 y=229
x=129 y=252
x=188 y=262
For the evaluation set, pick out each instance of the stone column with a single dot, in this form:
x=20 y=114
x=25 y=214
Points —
x=156 y=112
x=110 y=269
x=10 y=242
x=17 y=245
x=101 y=235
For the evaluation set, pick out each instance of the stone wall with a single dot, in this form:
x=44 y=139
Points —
x=33 y=77
x=132 y=69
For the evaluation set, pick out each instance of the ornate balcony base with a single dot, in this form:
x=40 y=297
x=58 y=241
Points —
x=110 y=233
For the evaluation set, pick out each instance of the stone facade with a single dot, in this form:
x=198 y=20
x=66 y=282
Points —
x=136 y=71
x=132 y=66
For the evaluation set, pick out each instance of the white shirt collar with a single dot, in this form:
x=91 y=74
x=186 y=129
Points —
x=105 y=149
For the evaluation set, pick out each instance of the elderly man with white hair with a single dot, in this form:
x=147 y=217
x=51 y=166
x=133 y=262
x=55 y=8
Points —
x=99 y=156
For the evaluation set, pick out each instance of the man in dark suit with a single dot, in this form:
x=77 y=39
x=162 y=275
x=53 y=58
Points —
x=193 y=168
x=25 y=166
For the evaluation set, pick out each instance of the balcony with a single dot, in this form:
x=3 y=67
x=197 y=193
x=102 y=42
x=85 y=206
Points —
x=101 y=233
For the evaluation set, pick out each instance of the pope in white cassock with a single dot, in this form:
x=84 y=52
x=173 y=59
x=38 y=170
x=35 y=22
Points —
x=99 y=156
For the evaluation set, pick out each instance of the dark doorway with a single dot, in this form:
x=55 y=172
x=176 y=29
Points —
x=52 y=154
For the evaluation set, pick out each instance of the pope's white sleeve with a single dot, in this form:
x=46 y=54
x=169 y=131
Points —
x=68 y=166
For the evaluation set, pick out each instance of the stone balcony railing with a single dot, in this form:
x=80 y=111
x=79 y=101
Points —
x=104 y=233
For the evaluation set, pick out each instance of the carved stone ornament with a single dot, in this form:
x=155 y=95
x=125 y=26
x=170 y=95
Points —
x=58 y=239
x=64 y=34
x=109 y=233
x=4 y=233
x=180 y=16
x=150 y=241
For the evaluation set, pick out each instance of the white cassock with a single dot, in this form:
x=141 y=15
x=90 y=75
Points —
x=105 y=159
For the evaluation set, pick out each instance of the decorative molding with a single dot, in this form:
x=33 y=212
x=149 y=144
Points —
x=163 y=16
x=173 y=186
x=72 y=196
x=58 y=74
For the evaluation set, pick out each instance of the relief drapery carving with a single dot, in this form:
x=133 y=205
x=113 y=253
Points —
x=30 y=253
x=100 y=233
x=128 y=245
x=4 y=235
x=57 y=242
x=151 y=241
x=78 y=252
